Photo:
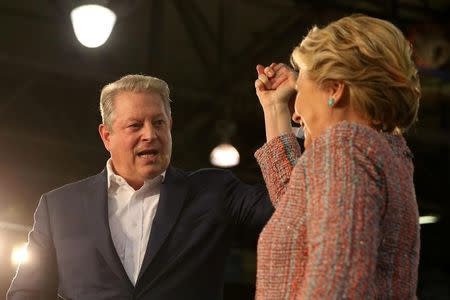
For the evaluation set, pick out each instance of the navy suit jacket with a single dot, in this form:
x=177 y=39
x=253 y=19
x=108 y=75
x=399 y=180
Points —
x=73 y=255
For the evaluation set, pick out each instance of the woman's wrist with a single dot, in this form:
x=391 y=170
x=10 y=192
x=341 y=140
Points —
x=277 y=118
x=277 y=108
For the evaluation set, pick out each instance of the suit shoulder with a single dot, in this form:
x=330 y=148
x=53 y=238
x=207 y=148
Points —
x=211 y=173
x=204 y=172
x=77 y=186
x=207 y=177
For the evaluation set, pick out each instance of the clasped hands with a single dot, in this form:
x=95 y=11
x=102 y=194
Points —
x=275 y=84
x=276 y=91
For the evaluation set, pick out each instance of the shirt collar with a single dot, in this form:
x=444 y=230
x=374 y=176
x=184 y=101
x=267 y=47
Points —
x=119 y=180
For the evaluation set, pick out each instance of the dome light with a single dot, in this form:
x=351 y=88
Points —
x=428 y=219
x=92 y=24
x=224 y=156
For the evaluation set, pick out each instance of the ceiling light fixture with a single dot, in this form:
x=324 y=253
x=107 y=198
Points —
x=430 y=219
x=225 y=155
x=92 y=24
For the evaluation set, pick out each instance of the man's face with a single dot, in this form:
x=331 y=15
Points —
x=140 y=140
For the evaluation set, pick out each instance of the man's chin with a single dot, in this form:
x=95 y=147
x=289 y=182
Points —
x=150 y=172
x=151 y=169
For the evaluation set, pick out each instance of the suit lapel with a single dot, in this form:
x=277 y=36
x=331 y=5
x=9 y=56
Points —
x=173 y=193
x=96 y=207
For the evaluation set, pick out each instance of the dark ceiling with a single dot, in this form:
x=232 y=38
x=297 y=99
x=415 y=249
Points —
x=207 y=52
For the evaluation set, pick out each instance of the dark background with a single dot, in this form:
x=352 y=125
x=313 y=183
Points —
x=207 y=52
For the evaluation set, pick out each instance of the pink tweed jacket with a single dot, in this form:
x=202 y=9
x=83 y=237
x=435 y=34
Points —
x=346 y=219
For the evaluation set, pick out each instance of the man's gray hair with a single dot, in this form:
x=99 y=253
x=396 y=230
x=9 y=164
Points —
x=131 y=83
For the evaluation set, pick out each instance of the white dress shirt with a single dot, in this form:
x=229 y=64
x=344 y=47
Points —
x=131 y=213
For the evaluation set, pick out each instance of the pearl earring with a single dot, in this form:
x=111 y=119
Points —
x=331 y=101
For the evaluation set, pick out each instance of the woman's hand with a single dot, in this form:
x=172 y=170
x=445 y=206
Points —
x=275 y=84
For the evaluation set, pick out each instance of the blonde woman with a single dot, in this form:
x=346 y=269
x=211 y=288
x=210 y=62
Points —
x=346 y=219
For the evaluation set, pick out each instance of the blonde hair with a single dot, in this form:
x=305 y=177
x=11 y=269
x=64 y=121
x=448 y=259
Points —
x=131 y=83
x=374 y=60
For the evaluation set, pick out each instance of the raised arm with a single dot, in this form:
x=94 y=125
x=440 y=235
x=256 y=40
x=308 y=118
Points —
x=248 y=205
x=37 y=279
x=276 y=93
x=277 y=159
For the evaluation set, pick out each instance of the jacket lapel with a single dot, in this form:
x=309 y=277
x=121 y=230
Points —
x=173 y=193
x=96 y=207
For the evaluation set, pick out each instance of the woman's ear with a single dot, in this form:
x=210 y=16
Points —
x=337 y=90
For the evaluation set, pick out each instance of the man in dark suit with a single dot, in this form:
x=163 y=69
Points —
x=141 y=229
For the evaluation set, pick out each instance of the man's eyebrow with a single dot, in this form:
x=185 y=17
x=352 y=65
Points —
x=132 y=119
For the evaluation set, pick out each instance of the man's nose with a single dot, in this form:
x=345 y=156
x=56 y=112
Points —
x=149 y=132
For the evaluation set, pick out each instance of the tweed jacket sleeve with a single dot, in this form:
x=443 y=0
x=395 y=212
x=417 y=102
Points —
x=276 y=159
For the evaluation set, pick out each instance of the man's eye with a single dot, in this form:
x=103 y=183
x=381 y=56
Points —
x=134 y=125
x=159 y=122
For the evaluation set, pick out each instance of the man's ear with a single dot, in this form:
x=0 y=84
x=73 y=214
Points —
x=105 y=133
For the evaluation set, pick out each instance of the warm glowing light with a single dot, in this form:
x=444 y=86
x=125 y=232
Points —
x=428 y=219
x=225 y=156
x=19 y=254
x=92 y=24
